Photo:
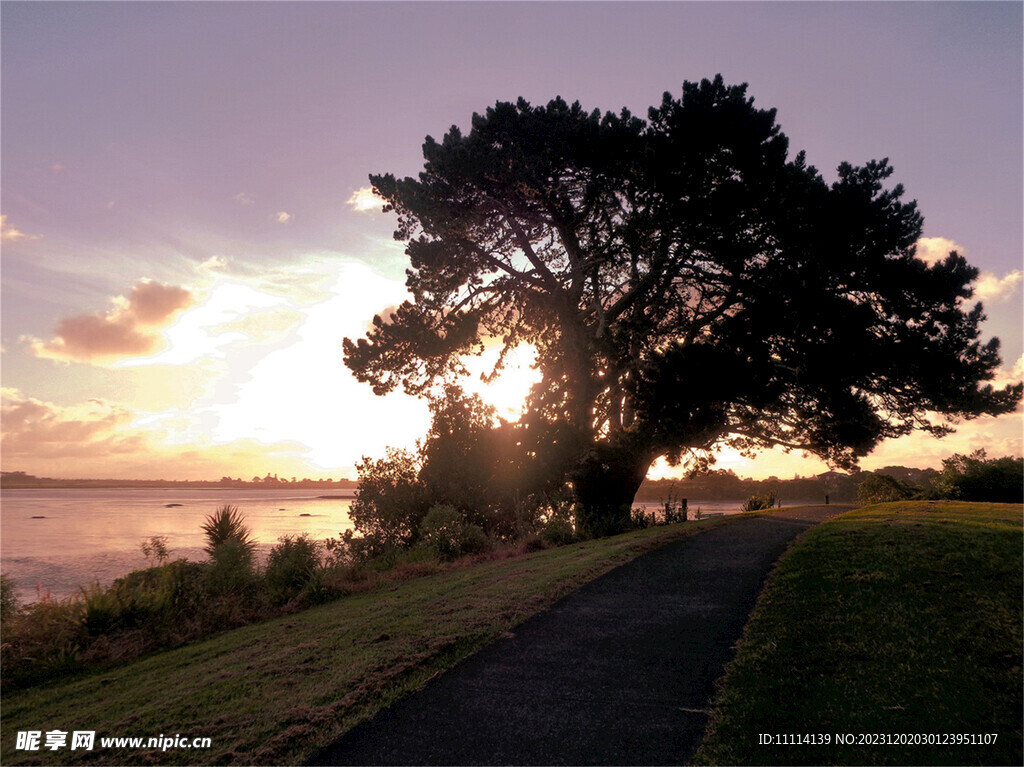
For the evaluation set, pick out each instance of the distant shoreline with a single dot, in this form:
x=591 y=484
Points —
x=21 y=481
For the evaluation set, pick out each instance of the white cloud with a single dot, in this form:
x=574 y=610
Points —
x=244 y=198
x=989 y=287
x=9 y=234
x=283 y=218
x=364 y=200
x=934 y=249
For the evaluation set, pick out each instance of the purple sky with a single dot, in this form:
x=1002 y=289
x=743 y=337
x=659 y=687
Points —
x=214 y=147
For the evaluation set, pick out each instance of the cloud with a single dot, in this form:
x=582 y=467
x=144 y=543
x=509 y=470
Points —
x=104 y=439
x=131 y=329
x=42 y=429
x=9 y=234
x=989 y=287
x=244 y=198
x=1009 y=376
x=365 y=199
x=283 y=218
x=57 y=168
x=934 y=249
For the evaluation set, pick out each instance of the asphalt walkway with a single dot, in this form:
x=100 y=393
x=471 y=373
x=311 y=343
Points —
x=619 y=672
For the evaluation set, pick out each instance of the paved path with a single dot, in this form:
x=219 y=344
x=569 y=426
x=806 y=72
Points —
x=619 y=672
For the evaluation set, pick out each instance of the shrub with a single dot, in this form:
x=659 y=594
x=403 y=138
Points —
x=640 y=519
x=445 y=531
x=977 y=478
x=156 y=547
x=881 y=488
x=8 y=598
x=558 y=532
x=231 y=570
x=226 y=525
x=43 y=640
x=675 y=511
x=390 y=503
x=475 y=540
x=759 y=501
x=291 y=565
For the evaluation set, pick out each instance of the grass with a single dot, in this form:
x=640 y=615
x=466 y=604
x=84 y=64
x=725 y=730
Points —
x=278 y=691
x=900 y=618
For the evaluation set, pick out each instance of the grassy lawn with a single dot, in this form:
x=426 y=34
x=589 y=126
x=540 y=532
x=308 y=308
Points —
x=275 y=692
x=901 y=618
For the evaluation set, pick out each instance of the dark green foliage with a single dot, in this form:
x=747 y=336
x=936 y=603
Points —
x=232 y=568
x=390 y=502
x=977 y=478
x=880 y=488
x=558 y=531
x=686 y=285
x=468 y=462
x=224 y=526
x=760 y=501
x=441 y=530
x=8 y=598
x=291 y=565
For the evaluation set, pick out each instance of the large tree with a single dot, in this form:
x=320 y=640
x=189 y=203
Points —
x=686 y=286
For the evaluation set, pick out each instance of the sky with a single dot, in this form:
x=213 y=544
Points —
x=187 y=234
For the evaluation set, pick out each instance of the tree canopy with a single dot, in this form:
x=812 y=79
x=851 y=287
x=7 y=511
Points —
x=686 y=286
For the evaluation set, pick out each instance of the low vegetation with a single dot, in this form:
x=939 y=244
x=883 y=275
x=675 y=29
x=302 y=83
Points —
x=897 y=619
x=277 y=691
x=175 y=602
x=974 y=477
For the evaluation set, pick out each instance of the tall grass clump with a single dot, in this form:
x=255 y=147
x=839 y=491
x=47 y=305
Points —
x=292 y=565
x=760 y=501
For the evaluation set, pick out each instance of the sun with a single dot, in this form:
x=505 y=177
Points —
x=508 y=391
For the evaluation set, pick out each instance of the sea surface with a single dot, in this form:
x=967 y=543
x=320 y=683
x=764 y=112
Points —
x=58 y=541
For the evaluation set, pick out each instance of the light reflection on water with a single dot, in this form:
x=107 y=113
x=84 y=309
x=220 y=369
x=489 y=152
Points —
x=90 y=535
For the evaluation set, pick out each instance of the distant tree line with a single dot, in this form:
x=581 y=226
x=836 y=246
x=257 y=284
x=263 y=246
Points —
x=21 y=479
x=973 y=477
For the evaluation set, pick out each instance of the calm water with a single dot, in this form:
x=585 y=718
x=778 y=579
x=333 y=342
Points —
x=59 y=540
x=89 y=535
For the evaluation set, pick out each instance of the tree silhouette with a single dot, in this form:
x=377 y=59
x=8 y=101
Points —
x=685 y=285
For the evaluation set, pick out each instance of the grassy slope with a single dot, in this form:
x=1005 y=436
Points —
x=897 y=618
x=274 y=693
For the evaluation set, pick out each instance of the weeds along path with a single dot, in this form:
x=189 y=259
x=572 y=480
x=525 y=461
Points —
x=619 y=672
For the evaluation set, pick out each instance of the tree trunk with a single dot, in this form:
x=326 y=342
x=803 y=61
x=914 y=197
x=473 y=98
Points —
x=606 y=482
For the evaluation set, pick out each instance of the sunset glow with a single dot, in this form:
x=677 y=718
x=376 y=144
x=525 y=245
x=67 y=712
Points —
x=178 y=280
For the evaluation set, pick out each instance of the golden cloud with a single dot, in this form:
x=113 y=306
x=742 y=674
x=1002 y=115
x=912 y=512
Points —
x=42 y=429
x=131 y=329
x=934 y=249
x=10 y=234
x=365 y=199
x=107 y=440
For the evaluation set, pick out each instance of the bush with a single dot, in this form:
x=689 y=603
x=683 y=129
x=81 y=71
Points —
x=232 y=568
x=977 y=478
x=445 y=531
x=292 y=564
x=640 y=519
x=8 y=598
x=226 y=525
x=881 y=488
x=558 y=532
x=390 y=503
x=759 y=501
